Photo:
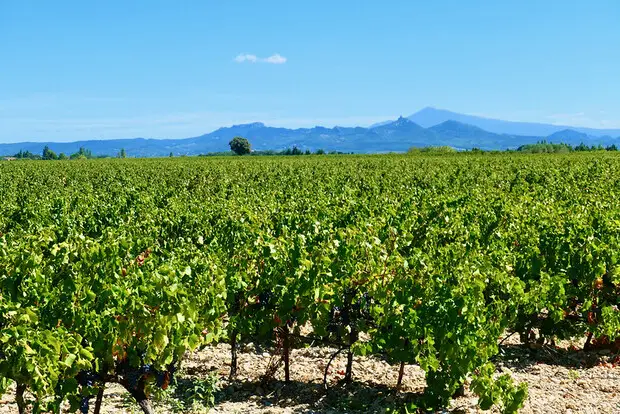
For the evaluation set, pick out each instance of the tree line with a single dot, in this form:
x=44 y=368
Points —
x=48 y=154
x=242 y=146
x=548 y=147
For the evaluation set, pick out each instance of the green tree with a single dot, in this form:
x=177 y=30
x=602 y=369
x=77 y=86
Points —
x=62 y=156
x=171 y=154
x=26 y=155
x=48 y=154
x=292 y=151
x=582 y=147
x=240 y=146
x=122 y=153
x=83 y=153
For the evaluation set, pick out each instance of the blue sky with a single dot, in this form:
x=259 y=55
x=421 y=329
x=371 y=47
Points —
x=125 y=68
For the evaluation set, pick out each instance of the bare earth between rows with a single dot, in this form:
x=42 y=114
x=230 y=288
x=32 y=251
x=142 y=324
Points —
x=560 y=381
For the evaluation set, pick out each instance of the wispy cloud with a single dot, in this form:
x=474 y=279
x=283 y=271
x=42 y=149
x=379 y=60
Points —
x=583 y=119
x=171 y=125
x=246 y=58
x=275 y=59
x=595 y=119
x=567 y=116
x=280 y=120
x=48 y=101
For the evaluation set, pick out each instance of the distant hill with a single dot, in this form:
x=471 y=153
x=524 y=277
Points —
x=570 y=136
x=429 y=127
x=404 y=134
x=429 y=117
x=463 y=135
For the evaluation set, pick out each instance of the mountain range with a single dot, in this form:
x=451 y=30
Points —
x=428 y=127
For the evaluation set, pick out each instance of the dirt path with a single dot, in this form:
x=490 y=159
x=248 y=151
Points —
x=560 y=381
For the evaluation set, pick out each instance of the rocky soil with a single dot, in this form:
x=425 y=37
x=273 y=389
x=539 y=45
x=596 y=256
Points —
x=560 y=381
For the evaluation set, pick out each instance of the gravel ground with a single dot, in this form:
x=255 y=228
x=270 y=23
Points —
x=560 y=381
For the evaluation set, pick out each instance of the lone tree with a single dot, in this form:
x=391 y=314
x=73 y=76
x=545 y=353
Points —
x=240 y=146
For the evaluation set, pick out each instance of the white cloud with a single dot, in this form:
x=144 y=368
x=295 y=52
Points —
x=246 y=58
x=275 y=59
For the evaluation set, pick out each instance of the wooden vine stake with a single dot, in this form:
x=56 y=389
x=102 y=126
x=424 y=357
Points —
x=99 y=399
x=401 y=372
x=353 y=337
x=286 y=353
x=233 y=355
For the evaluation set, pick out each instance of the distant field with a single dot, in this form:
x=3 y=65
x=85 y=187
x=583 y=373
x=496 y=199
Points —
x=112 y=271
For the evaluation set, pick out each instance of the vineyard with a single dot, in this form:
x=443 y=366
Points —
x=114 y=271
